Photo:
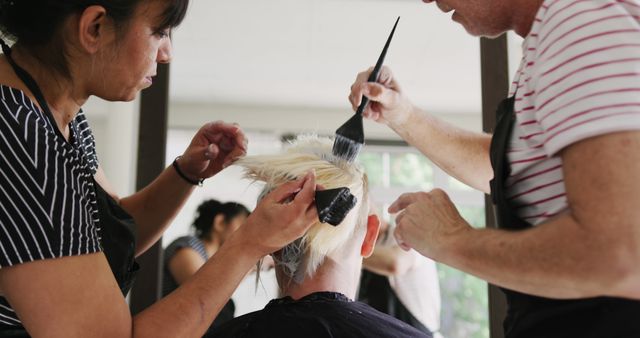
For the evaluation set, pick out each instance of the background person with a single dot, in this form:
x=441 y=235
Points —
x=214 y=223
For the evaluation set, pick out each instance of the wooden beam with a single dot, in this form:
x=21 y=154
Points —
x=495 y=87
x=152 y=140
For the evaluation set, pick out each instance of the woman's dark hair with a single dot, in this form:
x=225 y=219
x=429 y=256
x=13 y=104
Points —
x=209 y=209
x=36 y=24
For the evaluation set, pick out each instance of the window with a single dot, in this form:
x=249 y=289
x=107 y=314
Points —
x=394 y=170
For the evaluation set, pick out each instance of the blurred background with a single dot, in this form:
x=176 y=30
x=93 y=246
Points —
x=284 y=67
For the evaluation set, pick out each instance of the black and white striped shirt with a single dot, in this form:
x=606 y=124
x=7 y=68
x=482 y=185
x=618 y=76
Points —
x=47 y=199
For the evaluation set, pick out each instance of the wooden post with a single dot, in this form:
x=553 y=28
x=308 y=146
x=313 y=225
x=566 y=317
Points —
x=152 y=139
x=495 y=87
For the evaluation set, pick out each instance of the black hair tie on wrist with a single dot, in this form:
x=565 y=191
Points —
x=184 y=177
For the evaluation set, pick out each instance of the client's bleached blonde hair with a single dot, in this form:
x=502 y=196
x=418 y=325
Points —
x=308 y=152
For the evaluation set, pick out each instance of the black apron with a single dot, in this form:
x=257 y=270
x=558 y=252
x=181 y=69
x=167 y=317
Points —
x=117 y=228
x=531 y=316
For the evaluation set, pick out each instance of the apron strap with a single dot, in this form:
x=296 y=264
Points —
x=27 y=79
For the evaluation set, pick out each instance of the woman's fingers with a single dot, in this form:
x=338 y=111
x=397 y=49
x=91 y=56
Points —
x=307 y=193
x=286 y=191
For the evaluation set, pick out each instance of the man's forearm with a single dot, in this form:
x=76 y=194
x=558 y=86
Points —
x=462 y=154
x=559 y=259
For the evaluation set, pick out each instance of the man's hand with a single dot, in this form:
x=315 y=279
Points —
x=428 y=223
x=387 y=103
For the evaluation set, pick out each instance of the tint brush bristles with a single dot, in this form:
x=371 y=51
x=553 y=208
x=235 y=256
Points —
x=350 y=136
x=333 y=205
x=349 y=139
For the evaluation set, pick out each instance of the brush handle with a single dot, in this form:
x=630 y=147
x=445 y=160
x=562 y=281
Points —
x=373 y=77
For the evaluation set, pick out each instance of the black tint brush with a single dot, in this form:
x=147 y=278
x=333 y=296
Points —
x=333 y=205
x=350 y=136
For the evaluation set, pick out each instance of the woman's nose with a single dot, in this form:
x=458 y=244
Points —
x=165 y=52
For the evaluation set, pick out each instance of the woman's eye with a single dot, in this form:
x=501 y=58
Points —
x=163 y=33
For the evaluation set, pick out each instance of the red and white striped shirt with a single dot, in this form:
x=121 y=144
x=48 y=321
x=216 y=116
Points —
x=579 y=77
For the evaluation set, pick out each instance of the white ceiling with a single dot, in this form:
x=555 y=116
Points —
x=306 y=53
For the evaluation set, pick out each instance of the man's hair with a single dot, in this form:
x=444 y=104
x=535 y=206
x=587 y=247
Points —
x=303 y=256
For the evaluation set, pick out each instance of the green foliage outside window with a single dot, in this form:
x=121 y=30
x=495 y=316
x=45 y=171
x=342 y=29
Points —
x=465 y=300
x=372 y=163
x=411 y=170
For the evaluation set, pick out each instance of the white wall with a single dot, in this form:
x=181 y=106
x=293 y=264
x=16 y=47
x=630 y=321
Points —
x=515 y=53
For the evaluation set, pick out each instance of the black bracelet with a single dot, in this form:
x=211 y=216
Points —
x=184 y=177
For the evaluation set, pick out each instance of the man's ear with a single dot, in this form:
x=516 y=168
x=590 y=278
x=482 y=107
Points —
x=373 y=227
x=92 y=27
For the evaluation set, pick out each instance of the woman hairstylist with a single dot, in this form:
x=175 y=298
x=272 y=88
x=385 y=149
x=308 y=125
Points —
x=66 y=241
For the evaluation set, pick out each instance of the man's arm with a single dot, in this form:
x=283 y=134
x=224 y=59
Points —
x=593 y=250
x=462 y=154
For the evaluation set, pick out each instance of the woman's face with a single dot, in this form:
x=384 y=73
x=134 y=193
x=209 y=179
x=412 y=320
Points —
x=132 y=63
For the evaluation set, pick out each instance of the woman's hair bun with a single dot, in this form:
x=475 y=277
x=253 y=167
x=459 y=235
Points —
x=8 y=11
x=6 y=3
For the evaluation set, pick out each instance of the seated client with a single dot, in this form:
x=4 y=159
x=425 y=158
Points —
x=318 y=274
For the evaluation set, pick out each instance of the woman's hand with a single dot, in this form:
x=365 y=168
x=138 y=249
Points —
x=387 y=103
x=428 y=223
x=282 y=216
x=214 y=147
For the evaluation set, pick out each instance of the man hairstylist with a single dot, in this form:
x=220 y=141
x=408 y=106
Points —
x=561 y=168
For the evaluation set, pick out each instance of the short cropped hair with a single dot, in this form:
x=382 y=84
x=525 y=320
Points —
x=307 y=152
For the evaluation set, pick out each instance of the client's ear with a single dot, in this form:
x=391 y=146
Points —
x=373 y=227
